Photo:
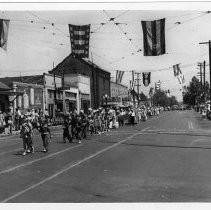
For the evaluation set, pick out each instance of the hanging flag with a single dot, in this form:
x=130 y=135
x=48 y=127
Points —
x=132 y=85
x=157 y=85
x=119 y=75
x=154 y=37
x=79 y=38
x=183 y=79
x=177 y=70
x=146 y=78
x=4 y=28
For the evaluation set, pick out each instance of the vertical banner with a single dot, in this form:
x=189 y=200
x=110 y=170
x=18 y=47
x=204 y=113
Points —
x=146 y=78
x=178 y=73
x=132 y=85
x=4 y=28
x=119 y=75
x=177 y=70
x=154 y=37
x=79 y=38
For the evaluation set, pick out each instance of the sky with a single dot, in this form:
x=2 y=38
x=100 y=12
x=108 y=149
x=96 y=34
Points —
x=39 y=40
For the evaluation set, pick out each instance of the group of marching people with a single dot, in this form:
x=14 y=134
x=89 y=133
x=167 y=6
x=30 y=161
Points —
x=27 y=127
x=77 y=126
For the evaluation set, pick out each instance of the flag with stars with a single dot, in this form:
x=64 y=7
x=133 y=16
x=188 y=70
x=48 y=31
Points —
x=79 y=38
x=4 y=27
x=154 y=37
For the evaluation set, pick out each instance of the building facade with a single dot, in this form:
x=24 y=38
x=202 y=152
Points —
x=119 y=93
x=99 y=78
x=83 y=84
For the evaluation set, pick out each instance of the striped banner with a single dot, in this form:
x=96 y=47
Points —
x=177 y=70
x=119 y=75
x=132 y=85
x=79 y=38
x=154 y=37
x=4 y=28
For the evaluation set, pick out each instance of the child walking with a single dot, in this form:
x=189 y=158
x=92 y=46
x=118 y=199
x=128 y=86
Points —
x=45 y=135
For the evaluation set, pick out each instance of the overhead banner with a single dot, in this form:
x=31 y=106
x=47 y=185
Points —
x=146 y=78
x=132 y=85
x=177 y=70
x=181 y=79
x=119 y=75
x=154 y=37
x=4 y=28
x=79 y=38
x=178 y=73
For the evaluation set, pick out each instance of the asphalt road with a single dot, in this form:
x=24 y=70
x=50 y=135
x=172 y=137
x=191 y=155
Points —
x=165 y=159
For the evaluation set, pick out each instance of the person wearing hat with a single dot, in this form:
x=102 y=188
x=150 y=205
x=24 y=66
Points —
x=26 y=135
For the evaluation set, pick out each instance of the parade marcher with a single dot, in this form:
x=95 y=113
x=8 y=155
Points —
x=67 y=131
x=78 y=128
x=84 y=123
x=2 y=122
x=91 y=125
x=17 y=118
x=132 y=117
x=45 y=135
x=26 y=135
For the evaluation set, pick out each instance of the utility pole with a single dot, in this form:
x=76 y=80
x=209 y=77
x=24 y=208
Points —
x=209 y=42
x=204 y=82
x=63 y=91
x=138 y=85
x=200 y=74
x=133 y=81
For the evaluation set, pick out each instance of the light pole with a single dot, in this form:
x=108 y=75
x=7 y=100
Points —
x=105 y=97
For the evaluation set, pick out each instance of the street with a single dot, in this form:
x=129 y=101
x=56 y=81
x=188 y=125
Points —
x=165 y=159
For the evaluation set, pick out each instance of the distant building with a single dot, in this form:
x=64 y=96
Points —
x=46 y=92
x=83 y=84
x=4 y=97
x=99 y=78
x=119 y=93
x=23 y=93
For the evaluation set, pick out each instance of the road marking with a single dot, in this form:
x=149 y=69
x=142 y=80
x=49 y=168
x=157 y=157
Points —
x=69 y=167
x=190 y=125
x=199 y=140
x=36 y=160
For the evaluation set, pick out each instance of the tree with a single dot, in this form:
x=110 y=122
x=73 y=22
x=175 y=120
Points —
x=160 y=98
x=195 y=93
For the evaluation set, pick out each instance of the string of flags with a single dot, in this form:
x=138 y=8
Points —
x=4 y=27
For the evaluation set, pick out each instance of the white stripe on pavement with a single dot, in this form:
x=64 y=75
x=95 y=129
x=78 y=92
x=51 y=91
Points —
x=68 y=168
x=36 y=160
